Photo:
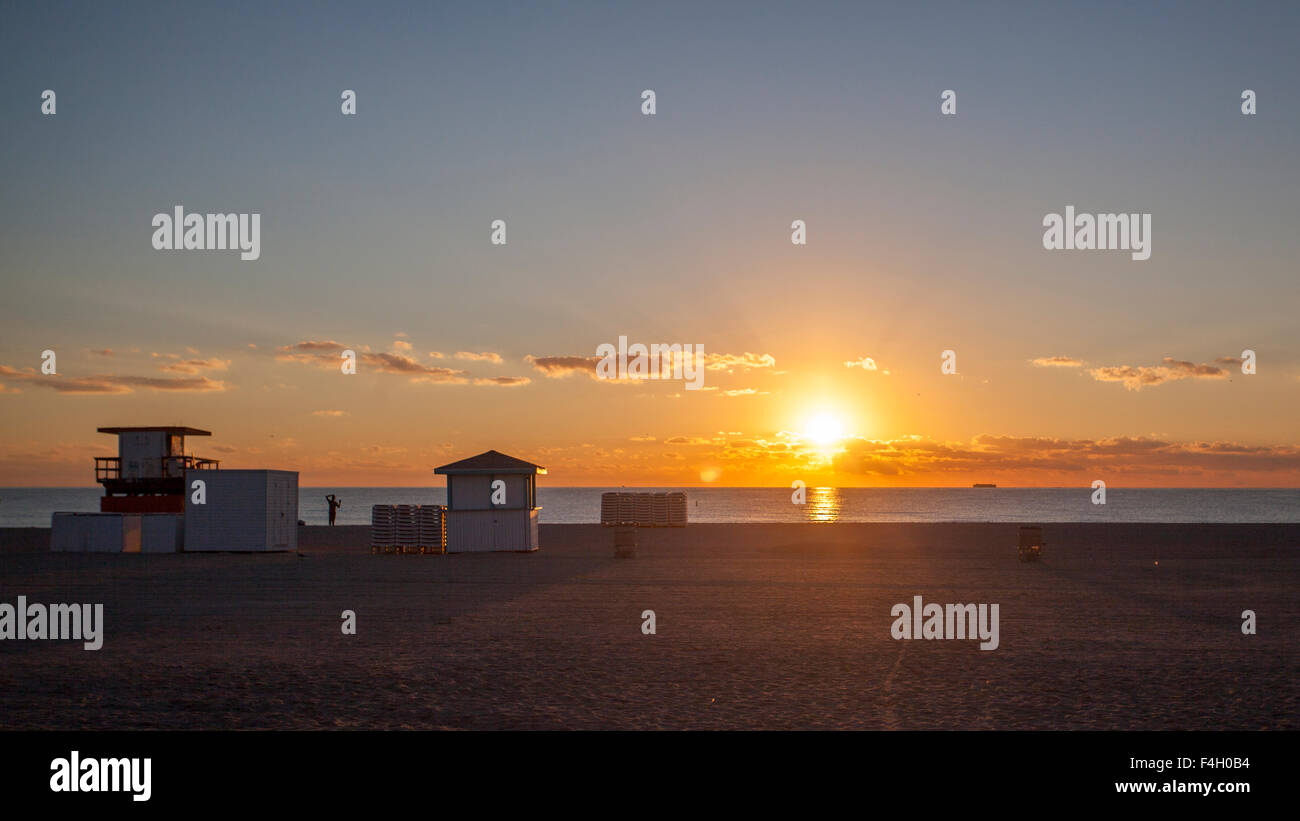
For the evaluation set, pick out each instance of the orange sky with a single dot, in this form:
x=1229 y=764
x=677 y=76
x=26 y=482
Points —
x=847 y=420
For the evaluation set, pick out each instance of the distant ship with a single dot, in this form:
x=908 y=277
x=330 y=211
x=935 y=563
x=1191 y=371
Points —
x=983 y=484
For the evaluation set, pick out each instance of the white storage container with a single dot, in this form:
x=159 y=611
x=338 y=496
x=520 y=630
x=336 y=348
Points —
x=162 y=532
x=88 y=532
x=244 y=510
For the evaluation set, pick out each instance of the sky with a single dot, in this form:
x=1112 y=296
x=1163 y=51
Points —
x=924 y=235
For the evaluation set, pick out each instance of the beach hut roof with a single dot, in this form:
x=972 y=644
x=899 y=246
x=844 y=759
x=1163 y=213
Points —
x=171 y=429
x=491 y=462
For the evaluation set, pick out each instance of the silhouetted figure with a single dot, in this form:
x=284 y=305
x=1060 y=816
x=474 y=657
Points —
x=334 y=504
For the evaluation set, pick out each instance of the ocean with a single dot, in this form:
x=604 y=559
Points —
x=31 y=507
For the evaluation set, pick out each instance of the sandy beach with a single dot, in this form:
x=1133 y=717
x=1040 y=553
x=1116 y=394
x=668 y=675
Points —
x=758 y=627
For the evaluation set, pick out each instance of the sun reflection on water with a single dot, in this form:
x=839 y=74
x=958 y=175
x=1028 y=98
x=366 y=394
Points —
x=824 y=504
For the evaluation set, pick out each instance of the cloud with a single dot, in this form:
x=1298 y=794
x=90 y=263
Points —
x=327 y=355
x=742 y=392
x=729 y=363
x=645 y=437
x=1170 y=370
x=495 y=359
x=503 y=381
x=866 y=363
x=558 y=367
x=109 y=383
x=401 y=345
x=1057 y=362
x=1230 y=360
x=193 y=366
x=687 y=440
x=103 y=352
x=329 y=413
x=988 y=454
x=399 y=363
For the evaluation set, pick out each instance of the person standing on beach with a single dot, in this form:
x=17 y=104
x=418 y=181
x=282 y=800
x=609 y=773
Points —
x=334 y=504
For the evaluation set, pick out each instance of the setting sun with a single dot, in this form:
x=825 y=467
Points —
x=824 y=429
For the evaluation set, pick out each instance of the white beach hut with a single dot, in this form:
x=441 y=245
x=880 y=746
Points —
x=491 y=503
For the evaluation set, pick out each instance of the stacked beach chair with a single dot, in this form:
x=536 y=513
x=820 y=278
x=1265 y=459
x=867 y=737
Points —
x=609 y=508
x=677 y=509
x=643 y=509
x=382 y=531
x=659 y=509
x=408 y=529
x=645 y=516
x=431 y=521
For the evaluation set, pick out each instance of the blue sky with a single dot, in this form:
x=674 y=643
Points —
x=924 y=230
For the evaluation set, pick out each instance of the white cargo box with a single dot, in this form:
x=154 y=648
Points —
x=162 y=533
x=116 y=532
x=87 y=533
x=244 y=510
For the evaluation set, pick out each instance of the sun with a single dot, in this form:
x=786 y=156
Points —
x=824 y=429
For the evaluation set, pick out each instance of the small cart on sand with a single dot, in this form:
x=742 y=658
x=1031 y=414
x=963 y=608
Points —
x=1031 y=543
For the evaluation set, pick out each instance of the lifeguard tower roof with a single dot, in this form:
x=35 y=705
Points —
x=175 y=430
x=491 y=462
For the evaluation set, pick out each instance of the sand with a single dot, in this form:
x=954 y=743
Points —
x=758 y=626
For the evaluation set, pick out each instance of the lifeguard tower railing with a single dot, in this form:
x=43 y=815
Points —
x=109 y=468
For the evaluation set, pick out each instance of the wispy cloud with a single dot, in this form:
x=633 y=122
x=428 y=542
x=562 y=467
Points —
x=327 y=354
x=866 y=363
x=503 y=381
x=1057 y=362
x=486 y=356
x=1135 y=378
x=193 y=366
x=108 y=383
x=730 y=363
x=558 y=367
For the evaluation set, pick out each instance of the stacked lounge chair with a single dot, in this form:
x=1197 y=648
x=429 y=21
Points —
x=408 y=529
x=382 y=532
x=643 y=509
x=432 y=528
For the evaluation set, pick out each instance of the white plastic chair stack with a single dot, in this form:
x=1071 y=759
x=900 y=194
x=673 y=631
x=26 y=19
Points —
x=643 y=509
x=407 y=528
x=432 y=528
x=659 y=509
x=645 y=514
x=609 y=508
x=382 y=531
x=626 y=507
x=677 y=509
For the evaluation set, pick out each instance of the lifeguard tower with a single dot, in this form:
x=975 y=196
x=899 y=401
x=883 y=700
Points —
x=148 y=473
